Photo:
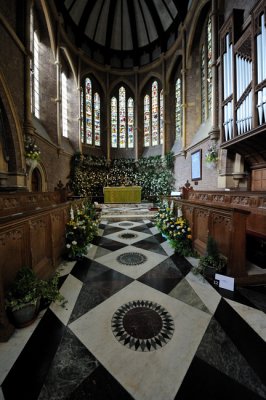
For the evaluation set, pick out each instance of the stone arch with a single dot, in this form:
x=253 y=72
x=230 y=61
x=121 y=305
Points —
x=37 y=178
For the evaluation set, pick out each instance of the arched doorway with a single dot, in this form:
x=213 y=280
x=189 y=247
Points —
x=36 y=181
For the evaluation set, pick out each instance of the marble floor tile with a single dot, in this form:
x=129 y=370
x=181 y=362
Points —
x=146 y=262
x=139 y=324
x=127 y=236
x=141 y=373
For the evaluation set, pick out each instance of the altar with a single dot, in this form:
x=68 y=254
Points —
x=122 y=194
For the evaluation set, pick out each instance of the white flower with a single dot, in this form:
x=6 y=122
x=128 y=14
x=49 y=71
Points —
x=74 y=242
x=68 y=246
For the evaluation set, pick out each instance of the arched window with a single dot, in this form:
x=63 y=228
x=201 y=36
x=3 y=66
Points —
x=64 y=104
x=178 y=109
x=153 y=116
x=122 y=120
x=35 y=68
x=90 y=114
x=206 y=72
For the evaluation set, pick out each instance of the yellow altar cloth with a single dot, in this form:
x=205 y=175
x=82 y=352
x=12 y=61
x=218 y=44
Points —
x=122 y=194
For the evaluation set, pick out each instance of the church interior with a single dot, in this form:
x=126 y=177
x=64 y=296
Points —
x=132 y=136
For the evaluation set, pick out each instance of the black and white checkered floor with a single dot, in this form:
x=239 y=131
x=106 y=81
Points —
x=139 y=324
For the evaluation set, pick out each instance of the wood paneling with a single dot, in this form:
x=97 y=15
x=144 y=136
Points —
x=34 y=238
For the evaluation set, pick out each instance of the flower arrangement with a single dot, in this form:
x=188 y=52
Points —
x=32 y=151
x=211 y=154
x=175 y=228
x=80 y=230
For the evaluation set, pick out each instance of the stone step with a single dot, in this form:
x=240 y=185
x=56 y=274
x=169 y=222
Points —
x=123 y=212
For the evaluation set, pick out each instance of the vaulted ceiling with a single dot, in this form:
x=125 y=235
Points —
x=123 y=33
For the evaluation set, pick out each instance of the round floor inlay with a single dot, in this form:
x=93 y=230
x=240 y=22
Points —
x=142 y=325
x=125 y=224
x=131 y=258
x=127 y=235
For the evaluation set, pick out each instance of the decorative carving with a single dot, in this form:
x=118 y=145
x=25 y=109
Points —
x=38 y=224
x=222 y=220
x=14 y=235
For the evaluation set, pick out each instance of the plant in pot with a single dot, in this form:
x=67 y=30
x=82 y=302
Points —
x=26 y=293
x=212 y=262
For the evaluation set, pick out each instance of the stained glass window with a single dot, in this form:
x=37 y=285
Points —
x=64 y=104
x=161 y=117
x=147 y=126
x=90 y=114
x=122 y=117
x=97 y=119
x=178 y=108
x=206 y=72
x=209 y=66
x=130 y=122
x=203 y=85
x=122 y=120
x=153 y=115
x=81 y=114
x=114 y=121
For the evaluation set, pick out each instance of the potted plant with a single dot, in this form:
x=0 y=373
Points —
x=26 y=293
x=212 y=262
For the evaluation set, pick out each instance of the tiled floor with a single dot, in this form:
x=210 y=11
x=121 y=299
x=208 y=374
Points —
x=139 y=324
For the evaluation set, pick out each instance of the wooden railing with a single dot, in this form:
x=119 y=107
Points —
x=229 y=217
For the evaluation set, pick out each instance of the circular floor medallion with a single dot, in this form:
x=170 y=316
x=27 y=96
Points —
x=125 y=224
x=142 y=325
x=131 y=258
x=127 y=235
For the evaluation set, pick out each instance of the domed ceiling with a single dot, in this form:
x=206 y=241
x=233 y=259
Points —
x=123 y=33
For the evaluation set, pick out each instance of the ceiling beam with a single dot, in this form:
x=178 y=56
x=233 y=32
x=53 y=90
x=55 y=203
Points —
x=133 y=28
x=109 y=29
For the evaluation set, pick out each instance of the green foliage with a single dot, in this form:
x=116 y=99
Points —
x=176 y=229
x=212 y=259
x=28 y=288
x=154 y=174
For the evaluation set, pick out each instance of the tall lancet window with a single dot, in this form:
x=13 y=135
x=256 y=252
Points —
x=90 y=114
x=64 y=104
x=36 y=76
x=147 y=124
x=206 y=71
x=122 y=119
x=153 y=116
x=178 y=109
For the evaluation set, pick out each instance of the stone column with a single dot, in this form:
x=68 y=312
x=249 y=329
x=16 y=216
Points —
x=165 y=145
x=136 y=115
x=108 y=113
x=58 y=92
x=184 y=93
x=215 y=131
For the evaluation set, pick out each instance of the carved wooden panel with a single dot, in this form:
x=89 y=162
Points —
x=57 y=235
x=40 y=240
x=200 y=229
x=13 y=250
x=221 y=231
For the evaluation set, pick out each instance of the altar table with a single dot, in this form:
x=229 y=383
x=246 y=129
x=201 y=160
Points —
x=122 y=194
